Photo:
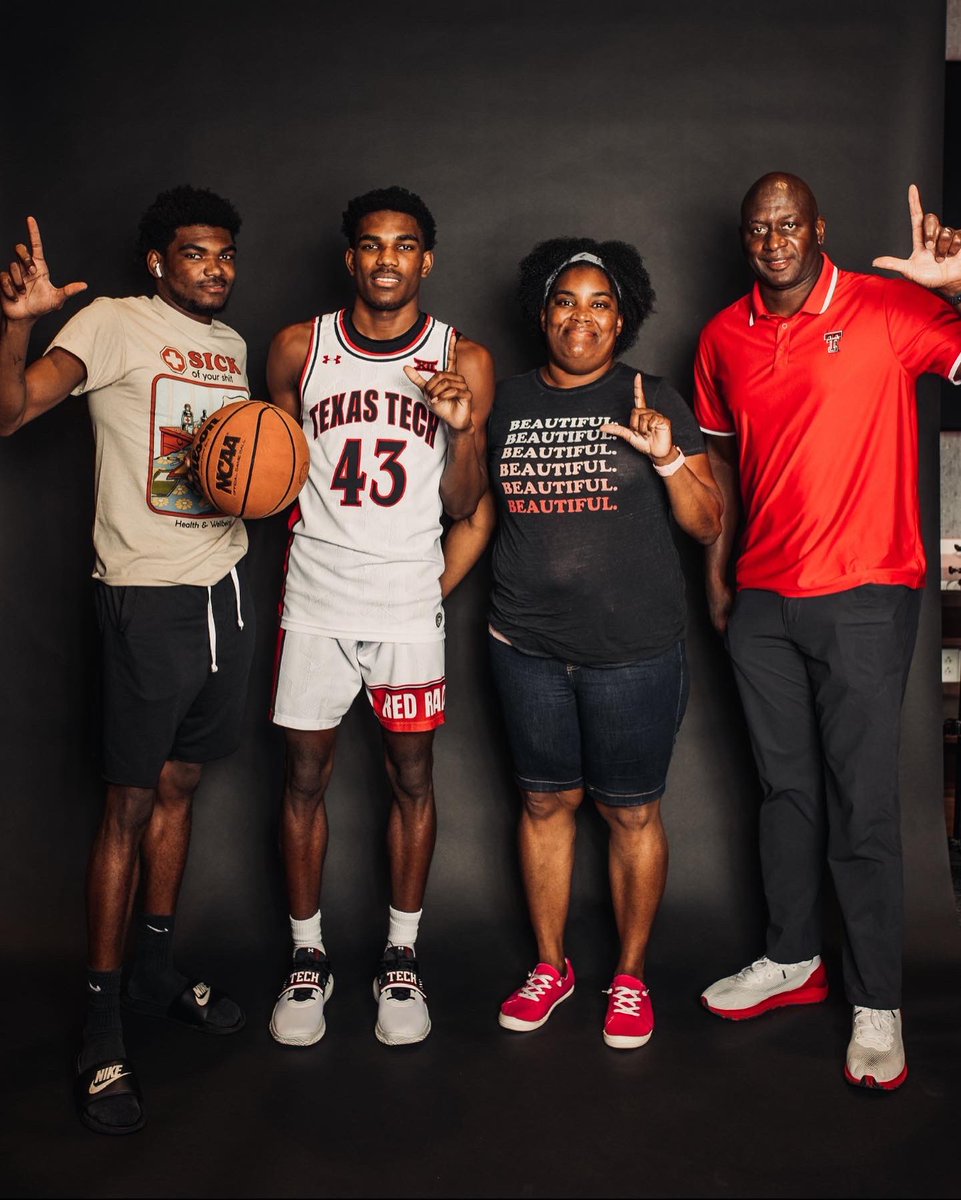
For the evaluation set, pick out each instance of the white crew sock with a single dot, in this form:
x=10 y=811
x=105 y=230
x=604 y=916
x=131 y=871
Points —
x=403 y=927
x=307 y=933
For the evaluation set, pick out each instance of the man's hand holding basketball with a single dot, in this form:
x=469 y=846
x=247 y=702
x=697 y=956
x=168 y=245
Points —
x=26 y=292
x=447 y=393
x=649 y=432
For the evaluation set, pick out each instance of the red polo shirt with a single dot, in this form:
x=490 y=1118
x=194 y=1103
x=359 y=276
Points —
x=824 y=408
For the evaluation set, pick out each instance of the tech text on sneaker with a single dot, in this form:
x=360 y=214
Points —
x=402 y=1016
x=298 y=1016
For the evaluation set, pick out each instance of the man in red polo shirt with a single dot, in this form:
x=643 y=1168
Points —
x=806 y=388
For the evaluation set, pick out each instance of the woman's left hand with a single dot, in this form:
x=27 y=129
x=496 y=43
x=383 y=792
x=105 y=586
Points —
x=649 y=431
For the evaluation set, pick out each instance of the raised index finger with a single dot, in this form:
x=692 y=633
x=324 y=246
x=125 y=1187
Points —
x=917 y=217
x=452 y=353
x=36 y=245
x=639 y=401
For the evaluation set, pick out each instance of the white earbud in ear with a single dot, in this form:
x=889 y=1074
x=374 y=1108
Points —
x=158 y=270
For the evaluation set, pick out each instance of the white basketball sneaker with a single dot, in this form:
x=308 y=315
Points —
x=765 y=985
x=298 y=1016
x=402 y=1016
x=876 y=1052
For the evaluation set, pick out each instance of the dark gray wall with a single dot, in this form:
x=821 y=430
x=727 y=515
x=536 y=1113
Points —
x=515 y=123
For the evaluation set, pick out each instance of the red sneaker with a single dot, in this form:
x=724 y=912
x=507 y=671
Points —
x=630 y=1014
x=531 y=1005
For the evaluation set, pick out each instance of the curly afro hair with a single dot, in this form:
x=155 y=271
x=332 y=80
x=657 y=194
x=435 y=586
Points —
x=622 y=264
x=389 y=199
x=183 y=205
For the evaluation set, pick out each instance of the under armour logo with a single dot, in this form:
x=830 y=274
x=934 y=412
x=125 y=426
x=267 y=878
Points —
x=335 y=359
x=833 y=340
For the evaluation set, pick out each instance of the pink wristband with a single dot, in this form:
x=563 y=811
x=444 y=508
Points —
x=673 y=467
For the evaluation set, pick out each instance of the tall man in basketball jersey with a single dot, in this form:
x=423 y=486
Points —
x=177 y=628
x=394 y=404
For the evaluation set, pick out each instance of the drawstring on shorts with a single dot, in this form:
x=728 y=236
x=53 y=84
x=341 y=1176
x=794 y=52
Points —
x=211 y=623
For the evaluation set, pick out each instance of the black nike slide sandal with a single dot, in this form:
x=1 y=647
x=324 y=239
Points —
x=193 y=1007
x=108 y=1086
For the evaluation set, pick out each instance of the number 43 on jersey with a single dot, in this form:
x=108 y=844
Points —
x=351 y=479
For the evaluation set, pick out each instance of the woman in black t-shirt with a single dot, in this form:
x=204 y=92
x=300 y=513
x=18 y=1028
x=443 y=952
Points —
x=590 y=463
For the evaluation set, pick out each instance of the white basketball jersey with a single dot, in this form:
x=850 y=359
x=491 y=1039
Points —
x=365 y=557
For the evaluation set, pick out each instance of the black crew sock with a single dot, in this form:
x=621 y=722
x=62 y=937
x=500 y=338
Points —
x=103 y=1043
x=102 y=1031
x=154 y=976
x=155 y=982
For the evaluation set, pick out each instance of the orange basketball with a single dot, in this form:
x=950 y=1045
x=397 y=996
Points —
x=251 y=459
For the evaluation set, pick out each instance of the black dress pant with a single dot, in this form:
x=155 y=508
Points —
x=822 y=680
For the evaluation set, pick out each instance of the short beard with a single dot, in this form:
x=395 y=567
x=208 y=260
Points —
x=188 y=304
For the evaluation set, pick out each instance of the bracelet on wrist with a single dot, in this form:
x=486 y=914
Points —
x=955 y=299
x=672 y=467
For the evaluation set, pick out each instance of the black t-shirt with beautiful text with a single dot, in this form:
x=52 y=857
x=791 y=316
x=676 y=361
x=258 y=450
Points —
x=585 y=566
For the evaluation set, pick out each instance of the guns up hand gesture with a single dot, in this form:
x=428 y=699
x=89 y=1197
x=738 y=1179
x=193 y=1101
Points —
x=934 y=261
x=26 y=291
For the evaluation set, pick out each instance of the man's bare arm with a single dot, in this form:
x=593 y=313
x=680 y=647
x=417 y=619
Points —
x=26 y=294
x=462 y=395
x=723 y=456
x=465 y=542
x=285 y=362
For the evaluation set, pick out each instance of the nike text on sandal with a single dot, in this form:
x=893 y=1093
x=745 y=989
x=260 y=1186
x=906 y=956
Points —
x=298 y=1016
x=199 y=1006
x=402 y=1016
x=108 y=1098
x=875 y=1057
x=530 y=1006
x=766 y=985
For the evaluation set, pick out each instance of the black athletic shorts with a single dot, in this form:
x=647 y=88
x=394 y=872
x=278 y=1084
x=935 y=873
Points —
x=162 y=697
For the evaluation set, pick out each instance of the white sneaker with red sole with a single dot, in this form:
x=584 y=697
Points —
x=876 y=1052
x=766 y=985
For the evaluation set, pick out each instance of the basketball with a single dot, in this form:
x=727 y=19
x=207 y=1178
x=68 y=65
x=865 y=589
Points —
x=250 y=459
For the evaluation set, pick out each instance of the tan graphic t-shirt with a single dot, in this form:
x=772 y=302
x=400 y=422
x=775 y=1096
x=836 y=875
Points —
x=153 y=375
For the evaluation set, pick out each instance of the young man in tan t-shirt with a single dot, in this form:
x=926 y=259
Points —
x=176 y=623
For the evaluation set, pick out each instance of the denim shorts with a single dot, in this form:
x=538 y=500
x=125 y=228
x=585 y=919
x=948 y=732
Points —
x=610 y=730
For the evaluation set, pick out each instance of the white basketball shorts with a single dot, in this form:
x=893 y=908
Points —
x=318 y=678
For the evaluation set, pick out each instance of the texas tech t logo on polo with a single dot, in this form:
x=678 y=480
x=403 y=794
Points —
x=833 y=340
